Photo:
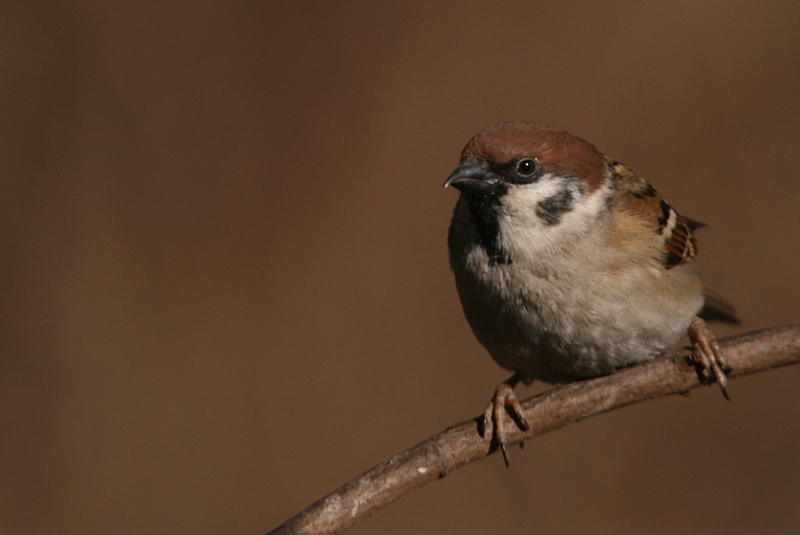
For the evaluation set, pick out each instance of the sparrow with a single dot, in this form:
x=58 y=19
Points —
x=569 y=265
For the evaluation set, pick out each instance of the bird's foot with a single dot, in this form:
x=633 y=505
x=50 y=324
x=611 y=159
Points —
x=503 y=401
x=711 y=364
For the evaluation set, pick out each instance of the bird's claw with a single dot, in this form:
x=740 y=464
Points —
x=707 y=356
x=503 y=401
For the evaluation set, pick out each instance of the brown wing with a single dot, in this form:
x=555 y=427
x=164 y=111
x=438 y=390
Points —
x=634 y=194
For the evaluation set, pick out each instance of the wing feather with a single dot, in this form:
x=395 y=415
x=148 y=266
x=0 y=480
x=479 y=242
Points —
x=637 y=196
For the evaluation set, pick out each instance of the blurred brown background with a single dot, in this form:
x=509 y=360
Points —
x=224 y=281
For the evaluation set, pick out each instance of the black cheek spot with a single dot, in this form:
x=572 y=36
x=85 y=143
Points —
x=552 y=208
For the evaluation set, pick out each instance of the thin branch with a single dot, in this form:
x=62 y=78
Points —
x=462 y=444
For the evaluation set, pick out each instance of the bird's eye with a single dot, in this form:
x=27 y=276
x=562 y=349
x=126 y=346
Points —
x=526 y=167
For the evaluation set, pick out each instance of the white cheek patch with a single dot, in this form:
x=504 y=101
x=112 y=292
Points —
x=548 y=214
x=521 y=201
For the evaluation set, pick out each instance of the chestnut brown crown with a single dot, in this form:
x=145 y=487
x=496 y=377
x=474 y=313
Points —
x=556 y=150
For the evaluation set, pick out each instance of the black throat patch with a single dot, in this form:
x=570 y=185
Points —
x=485 y=212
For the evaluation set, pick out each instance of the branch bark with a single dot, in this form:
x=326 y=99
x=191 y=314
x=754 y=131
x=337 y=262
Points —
x=461 y=444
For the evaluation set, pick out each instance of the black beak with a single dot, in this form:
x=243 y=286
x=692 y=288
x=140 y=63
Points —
x=471 y=178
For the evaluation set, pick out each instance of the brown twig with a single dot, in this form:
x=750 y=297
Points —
x=462 y=444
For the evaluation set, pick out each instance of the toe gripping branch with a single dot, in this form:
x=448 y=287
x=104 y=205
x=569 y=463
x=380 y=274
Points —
x=503 y=402
x=710 y=362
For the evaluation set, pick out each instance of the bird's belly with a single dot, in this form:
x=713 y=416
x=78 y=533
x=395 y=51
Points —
x=556 y=335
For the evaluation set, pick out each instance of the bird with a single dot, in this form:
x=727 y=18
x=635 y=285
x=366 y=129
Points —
x=569 y=265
